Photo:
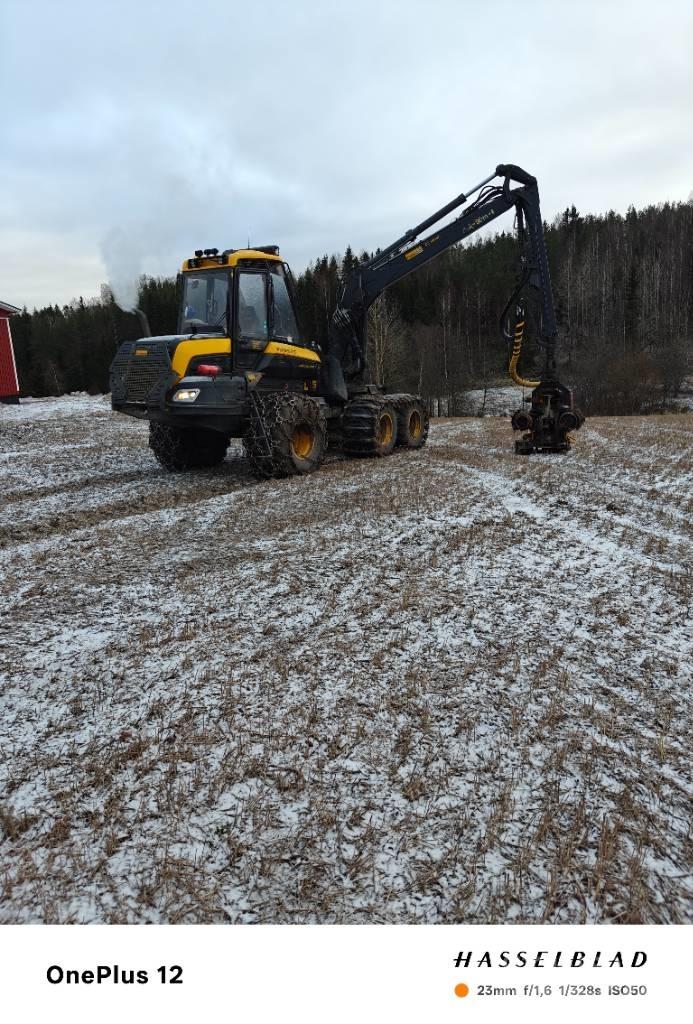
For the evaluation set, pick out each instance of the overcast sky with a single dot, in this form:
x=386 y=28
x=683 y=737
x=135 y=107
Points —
x=133 y=133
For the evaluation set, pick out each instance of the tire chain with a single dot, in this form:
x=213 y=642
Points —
x=267 y=442
x=398 y=402
x=175 y=451
x=166 y=445
x=257 y=442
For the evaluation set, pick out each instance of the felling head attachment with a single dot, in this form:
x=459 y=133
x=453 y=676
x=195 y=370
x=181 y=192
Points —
x=548 y=421
x=551 y=415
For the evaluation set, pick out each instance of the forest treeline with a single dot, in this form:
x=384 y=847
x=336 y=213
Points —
x=623 y=289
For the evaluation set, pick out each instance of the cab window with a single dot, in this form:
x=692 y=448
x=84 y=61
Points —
x=252 y=306
x=283 y=320
x=205 y=300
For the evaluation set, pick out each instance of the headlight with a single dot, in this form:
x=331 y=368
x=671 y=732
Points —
x=186 y=395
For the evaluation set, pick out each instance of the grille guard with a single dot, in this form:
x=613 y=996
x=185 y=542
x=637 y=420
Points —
x=144 y=379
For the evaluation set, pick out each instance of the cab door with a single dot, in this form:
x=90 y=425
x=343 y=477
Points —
x=283 y=321
x=288 y=359
x=251 y=327
x=266 y=338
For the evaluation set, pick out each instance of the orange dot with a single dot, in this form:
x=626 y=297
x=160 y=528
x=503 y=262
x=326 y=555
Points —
x=461 y=990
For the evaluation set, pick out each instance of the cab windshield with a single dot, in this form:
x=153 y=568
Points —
x=205 y=302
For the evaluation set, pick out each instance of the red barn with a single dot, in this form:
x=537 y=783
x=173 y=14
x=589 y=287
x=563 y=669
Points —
x=9 y=385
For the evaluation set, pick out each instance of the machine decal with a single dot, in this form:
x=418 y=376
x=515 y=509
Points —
x=279 y=348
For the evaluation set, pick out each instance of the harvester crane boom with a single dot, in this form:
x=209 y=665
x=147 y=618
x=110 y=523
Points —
x=348 y=343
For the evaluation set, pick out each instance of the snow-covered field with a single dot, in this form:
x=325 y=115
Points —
x=452 y=685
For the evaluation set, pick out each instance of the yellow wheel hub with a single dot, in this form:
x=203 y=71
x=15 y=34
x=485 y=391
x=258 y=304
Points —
x=415 y=425
x=302 y=441
x=386 y=429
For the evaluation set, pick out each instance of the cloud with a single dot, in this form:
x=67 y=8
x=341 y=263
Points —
x=156 y=129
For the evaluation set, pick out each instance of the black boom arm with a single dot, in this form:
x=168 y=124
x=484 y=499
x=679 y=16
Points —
x=347 y=344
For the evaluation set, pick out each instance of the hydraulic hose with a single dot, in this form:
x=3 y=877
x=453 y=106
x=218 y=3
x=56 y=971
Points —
x=515 y=357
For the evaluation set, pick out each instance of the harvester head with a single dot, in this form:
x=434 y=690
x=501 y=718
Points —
x=548 y=421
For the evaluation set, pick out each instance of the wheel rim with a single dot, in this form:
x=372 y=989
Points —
x=415 y=425
x=302 y=441
x=386 y=429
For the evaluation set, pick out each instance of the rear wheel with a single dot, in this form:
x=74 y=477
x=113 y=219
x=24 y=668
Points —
x=370 y=427
x=178 y=449
x=287 y=435
x=412 y=424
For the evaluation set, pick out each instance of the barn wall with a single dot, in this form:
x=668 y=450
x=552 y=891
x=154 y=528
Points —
x=9 y=386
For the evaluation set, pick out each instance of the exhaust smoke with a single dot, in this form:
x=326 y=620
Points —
x=122 y=256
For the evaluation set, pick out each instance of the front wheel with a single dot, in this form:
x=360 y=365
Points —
x=178 y=449
x=286 y=436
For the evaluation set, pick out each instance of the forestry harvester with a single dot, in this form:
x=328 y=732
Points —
x=240 y=365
